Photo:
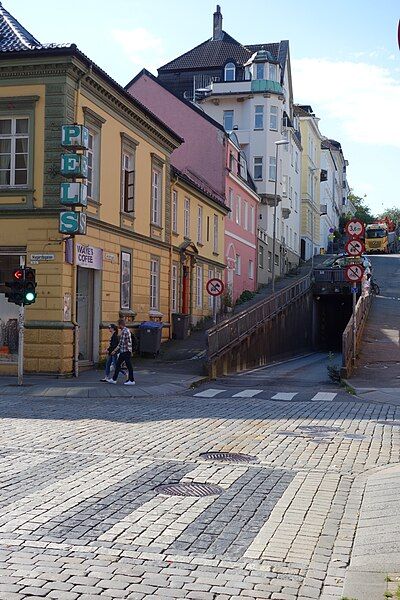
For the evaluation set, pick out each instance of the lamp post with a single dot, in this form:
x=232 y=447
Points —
x=312 y=217
x=277 y=144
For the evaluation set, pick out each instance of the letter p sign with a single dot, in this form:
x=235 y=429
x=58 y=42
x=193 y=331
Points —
x=75 y=136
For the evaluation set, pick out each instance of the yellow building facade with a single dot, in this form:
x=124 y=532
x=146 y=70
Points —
x=310 y=180
x=130 y=262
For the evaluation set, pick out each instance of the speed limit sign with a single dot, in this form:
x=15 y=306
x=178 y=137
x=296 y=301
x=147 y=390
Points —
x=354 y=273
x=354 y=247
x=355 y=228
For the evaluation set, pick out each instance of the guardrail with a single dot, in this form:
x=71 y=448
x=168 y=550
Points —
x=361 y=314
x=227 y=334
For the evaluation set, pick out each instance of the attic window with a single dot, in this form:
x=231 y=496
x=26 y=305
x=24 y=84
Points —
x=230 y=72
x=272 y=72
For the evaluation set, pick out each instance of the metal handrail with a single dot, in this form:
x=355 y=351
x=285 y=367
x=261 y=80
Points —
x=230 y=332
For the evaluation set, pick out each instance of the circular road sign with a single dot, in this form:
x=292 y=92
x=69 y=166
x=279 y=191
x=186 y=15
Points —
x=354 y=273
x=355 y=228
x=215 y=287
x=354 y=247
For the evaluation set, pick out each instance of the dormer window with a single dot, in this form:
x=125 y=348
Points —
x=260 y=71
x=272 y=72
x=230 y=72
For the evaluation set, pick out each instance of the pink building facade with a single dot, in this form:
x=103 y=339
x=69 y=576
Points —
x=240 y=224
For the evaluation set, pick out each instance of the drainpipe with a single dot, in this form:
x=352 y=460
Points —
x=175 y=180
x=75 y=361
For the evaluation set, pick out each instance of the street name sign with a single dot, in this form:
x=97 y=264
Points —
x=215 y=287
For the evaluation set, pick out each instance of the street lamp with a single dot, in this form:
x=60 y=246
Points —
x=312 y=217
x=277 y=144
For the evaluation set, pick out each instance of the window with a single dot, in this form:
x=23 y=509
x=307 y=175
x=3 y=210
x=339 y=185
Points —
x=237 y=264
x=272 y=168
x=208 y=229
x=269 y=261
x=296 y=201
x=260 y=71
x=272 y=72
x=128 y=179
x=174 y=288
x=199 y=286
x=210 y=298
x=216 y=234
x=246 y=215
x=261 y=257
x=14 y=151
x=277 y=259
x=251 y=269
x=154 y=283
x=284 y=185
x=258 y=167
x=93 y=156
x=259 y=117
x=238 y=210
x=252 y=215
x=186 y=218
x=273 y=118
x=295 y=241
x=230 y=203
x=228 y=122
x=156 y=197
x=126 y=271
x=230 y=72
x=199 y=224
x=296 y=162
x=291 y=154
x=175 y=211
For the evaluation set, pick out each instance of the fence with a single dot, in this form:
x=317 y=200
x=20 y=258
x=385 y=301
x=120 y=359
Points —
x=231 y=332
x=362 y=310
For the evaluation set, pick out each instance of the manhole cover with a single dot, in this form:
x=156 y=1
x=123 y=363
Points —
x=199 y=490
x=228 y=457
x=318 y=429
x=390 y=423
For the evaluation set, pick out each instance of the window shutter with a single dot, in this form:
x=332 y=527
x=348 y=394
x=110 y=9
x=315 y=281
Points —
x=129 y=191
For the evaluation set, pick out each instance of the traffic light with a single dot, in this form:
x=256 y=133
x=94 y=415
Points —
x=22 y=287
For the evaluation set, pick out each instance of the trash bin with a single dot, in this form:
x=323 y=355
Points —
x=180 y=326
x=150 y=333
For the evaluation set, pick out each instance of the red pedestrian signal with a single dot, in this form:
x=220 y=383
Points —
x=22 y=289
x=18 y=274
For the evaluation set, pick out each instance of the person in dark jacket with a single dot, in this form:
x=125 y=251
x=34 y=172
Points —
x=111 y=357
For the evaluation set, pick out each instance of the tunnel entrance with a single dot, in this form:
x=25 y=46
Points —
x=331 y=315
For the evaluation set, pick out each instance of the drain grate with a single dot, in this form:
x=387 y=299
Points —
x=318 y=429
x=198 y=490
x=228 y=457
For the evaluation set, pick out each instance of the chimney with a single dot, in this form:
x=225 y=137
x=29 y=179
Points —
x=217 y=24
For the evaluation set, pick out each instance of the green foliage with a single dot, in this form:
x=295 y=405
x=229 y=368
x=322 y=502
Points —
x=227 y=299
x=245 y=296
x=363 y=211
x=392 y=213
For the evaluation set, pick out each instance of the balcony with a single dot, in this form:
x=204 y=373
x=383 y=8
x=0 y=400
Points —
x=243 y=87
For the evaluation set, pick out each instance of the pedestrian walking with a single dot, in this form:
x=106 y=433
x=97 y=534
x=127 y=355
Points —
x=124 y=349
x=111 y=360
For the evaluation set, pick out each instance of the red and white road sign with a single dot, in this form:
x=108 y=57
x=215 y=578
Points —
x=354 y=247
x=215 y=287
x=355 y=228
x=354 y=273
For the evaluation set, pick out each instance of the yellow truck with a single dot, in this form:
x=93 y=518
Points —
x=378 y=238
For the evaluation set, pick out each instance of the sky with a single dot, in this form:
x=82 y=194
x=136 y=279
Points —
x=344 y=56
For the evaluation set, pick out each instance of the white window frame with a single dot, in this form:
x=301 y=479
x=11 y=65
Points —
x=156 y=196
x=210 y=298
x=93 y=156
x=259 y=117
x=238 y=210
x=186 y=218
x=251 y=269
x=246 y=215
x=258 y=166
x=272 y=72
x=174 y=288
x=215 y=227
x=252 y=219
x=230 y=67
x=154 y=283
x=174 y=211
x=199 y=286
x=272 y=168
x=126 y=280
x=238 y=265
x=273 y=118
x=260 y=257
x=199 y=224
x=13 y=136
x=230 y=204
x=260 y=70
x=284 y=185
x=228 y=114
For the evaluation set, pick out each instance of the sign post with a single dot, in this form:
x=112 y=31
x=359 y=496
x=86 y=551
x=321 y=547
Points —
x=354 y=273
x=21 y=331
x=215 y=287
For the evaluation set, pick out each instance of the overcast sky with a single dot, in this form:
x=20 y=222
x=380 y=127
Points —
x=345 y=60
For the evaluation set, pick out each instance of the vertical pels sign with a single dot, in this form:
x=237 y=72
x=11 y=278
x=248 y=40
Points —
x=74 y=165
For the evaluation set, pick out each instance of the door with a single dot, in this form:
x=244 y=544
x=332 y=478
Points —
x=84 y=312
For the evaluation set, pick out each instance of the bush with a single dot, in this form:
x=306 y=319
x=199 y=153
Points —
x=245 y=296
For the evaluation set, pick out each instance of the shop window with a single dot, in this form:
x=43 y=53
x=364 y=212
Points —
x=8 y=312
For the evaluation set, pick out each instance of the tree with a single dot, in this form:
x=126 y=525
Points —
x=363 y=212
x=391 y=213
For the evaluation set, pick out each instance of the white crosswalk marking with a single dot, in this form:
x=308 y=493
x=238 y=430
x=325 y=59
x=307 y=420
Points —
x=284 y=396
x=209 y=393
x=247 y=394
x=324 y=397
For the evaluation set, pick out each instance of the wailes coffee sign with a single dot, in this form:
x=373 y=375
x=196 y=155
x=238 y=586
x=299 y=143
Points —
x=89 y=257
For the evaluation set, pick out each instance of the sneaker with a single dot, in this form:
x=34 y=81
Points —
x=130 y=383
x=111 y=381
x=104 y=379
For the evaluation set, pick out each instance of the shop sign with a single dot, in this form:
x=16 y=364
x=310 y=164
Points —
x=72 y=223
x=73 y=194
x=43 y=257
x=74 y=165
x=75 y=136
x=89 y=257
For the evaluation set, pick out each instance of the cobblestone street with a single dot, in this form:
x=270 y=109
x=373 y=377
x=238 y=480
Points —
x=82 y=516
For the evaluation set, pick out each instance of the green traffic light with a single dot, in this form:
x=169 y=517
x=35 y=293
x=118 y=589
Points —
x=30 y=296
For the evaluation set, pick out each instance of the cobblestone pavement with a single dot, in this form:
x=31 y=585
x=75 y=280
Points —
x=82 y=517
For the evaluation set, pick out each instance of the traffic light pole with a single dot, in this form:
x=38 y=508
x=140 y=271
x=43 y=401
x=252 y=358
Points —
x=21 y=328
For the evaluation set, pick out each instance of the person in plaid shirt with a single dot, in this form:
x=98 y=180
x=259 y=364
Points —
x=124 y=349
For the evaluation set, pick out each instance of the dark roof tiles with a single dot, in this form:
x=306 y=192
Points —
x=13 y=36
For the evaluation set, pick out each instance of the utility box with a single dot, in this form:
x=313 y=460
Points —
x=150 y=333
x=180 y=326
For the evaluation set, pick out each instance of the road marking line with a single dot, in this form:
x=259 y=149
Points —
x=324 y=396
x=247 y=393
x=282 y=362
x=284 y=396
x=209 y=393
